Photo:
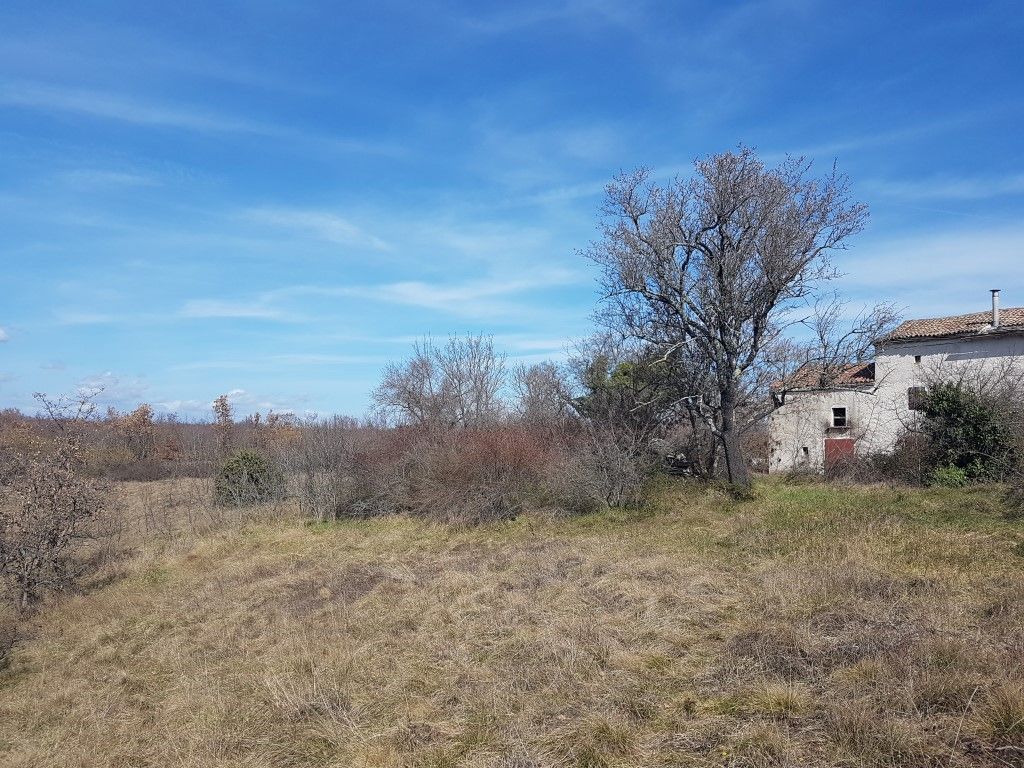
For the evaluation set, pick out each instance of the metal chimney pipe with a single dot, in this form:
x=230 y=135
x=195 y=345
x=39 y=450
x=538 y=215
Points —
x=995 y=307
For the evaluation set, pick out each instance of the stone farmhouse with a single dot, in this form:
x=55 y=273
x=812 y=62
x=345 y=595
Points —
x=866 y=406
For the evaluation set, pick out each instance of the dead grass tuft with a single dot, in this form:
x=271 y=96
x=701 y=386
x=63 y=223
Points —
x=1000 y=716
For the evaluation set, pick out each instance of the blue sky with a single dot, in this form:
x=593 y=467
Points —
x=274 y=199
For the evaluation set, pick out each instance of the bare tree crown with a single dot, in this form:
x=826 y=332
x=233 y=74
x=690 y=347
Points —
x=457 y=385
x=716 y=258
x=704 y=269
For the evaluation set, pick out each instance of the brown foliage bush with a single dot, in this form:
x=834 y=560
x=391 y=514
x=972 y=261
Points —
x=463 y=476
x=466 y=476
x=45 y=514
x=477 y=475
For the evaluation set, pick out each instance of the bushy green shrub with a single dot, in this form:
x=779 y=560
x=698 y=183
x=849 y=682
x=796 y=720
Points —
x=248 y=478
x=948 y=477
x=968 y=433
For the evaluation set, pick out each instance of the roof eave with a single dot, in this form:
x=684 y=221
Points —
x=1001 y=331
x=867 y=385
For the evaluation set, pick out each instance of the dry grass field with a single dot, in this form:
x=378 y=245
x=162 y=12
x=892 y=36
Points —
x=812 y=626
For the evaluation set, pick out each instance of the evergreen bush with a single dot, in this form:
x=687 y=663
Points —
x=966 y=432
x=248 y=478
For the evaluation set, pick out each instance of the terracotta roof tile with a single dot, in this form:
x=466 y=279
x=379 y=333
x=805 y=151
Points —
x=812 y=377
x=1010 y=319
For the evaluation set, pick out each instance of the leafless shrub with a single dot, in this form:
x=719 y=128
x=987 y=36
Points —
x=590 y=476
x=462 y=476
x=906 y=464
x=481 y=475
x=336 y=468
x=48 y=510
x=10 y=634
x=477 y=475
x=606 y=471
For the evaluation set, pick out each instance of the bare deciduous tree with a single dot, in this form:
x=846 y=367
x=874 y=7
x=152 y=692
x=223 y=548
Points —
x=836 y=341
x=457 y=385
x=224 y=424
x=706 y=268
x=541 y=399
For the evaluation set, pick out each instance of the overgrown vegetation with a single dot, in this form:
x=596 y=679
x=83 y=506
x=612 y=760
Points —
x=246 y=478
x=457 y=439
x=812 y=625
x=48 y=508
x=969 y=439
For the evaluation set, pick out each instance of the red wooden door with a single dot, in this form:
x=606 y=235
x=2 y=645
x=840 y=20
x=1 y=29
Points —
x=837 y=451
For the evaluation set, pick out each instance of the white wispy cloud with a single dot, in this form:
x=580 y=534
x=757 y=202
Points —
x=940 y=272
x=245 y=401
x=479 y=297
x=191 y=407
x=100 y=177
x=485 y=297
x=213 y=365
x=114 y=107
x=87 y=318
x=281 y=360
x=564 y=194
x=516 y=17
x=529 y=157
x=4 y=335
x=313 y=358
x=219 y=308
x=109 y=48
x=138 y=111
x=950 y=188
x=319 y=224
x=109 y=388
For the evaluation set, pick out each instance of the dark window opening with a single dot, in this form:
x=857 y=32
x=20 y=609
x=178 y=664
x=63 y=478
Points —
x=917 y=358
x=915 y=398
x=838 y=417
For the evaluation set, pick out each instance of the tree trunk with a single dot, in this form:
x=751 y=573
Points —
x=735 y=462
x=711 y=462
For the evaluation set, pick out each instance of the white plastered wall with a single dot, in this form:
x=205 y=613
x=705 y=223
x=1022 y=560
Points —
x=879 y=414
x=797 y=430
